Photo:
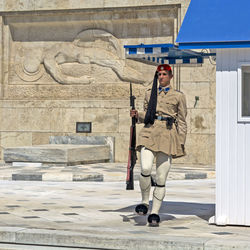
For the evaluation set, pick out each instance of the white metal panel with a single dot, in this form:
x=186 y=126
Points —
x=232 y=124
x=240 y=174
x=240 y=148
x=232 y=143
x=220 y=199
x=247 y=175
x=218 y=160
x=225 y=131
x=222 y=114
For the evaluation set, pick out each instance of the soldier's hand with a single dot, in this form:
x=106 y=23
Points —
x=134 y=113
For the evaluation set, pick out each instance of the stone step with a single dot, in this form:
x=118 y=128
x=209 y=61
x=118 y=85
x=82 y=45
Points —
x=4 y=246
x=66 y=154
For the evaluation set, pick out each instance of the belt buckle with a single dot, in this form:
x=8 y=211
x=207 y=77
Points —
x=159 y=118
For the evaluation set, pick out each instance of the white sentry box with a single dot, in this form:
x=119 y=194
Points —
x=233 y=136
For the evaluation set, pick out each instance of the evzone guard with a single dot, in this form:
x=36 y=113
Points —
x=162 y=138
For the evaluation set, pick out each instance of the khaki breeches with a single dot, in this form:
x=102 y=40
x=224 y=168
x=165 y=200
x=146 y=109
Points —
x=163 y=165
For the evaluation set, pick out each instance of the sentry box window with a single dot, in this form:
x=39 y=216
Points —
x=83 y=127
x=244 y=92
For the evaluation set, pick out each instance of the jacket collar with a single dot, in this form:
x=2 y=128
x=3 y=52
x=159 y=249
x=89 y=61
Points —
x=164 y=89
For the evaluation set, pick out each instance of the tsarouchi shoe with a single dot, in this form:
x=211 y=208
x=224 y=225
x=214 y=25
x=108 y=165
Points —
x=153 y=220
x=141 y=209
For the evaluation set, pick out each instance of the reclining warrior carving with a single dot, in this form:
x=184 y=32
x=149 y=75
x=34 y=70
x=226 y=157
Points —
x=92 y=46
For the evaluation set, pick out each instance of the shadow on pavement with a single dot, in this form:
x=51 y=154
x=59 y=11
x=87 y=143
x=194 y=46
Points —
x=170 y=208
x=202 y=210
x=142 y=220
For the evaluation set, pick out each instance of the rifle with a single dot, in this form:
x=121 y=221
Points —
x=132 y=144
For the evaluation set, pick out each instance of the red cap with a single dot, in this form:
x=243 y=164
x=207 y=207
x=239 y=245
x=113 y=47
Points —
x=165 y=67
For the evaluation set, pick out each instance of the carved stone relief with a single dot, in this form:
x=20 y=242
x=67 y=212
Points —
x=29 y=67
x=92 y=46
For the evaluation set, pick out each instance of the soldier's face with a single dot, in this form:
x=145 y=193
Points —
x=164 y=78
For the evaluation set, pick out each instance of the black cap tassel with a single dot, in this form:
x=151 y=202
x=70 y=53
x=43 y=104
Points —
x=150 y=115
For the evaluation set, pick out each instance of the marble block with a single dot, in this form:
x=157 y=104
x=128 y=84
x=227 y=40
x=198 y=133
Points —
x=86 y=140
x=58 y=153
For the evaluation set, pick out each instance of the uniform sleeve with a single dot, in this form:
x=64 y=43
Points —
x=182 y=124
x=141 y=114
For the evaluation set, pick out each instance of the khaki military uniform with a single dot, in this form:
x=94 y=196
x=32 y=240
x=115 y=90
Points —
x=157 y=137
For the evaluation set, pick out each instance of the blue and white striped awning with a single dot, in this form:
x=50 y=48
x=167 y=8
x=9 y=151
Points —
x=163 y=54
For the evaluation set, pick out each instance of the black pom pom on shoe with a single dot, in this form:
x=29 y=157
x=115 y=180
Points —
x=141 y=209
x=153 y=220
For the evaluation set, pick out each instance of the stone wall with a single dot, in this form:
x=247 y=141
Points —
x=63 y=62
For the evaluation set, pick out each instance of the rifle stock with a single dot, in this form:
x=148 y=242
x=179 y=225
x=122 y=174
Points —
x=132 y=147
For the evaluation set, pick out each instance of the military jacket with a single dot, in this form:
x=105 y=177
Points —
x=158 y=137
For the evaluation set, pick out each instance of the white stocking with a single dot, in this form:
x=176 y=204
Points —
x=147 y=158
x=163 y=164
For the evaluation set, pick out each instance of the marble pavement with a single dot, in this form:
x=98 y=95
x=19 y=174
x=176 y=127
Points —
x=100 y=215
x=66 y=214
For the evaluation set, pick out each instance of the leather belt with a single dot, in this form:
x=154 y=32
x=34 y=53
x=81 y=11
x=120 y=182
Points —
x=162 y=118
